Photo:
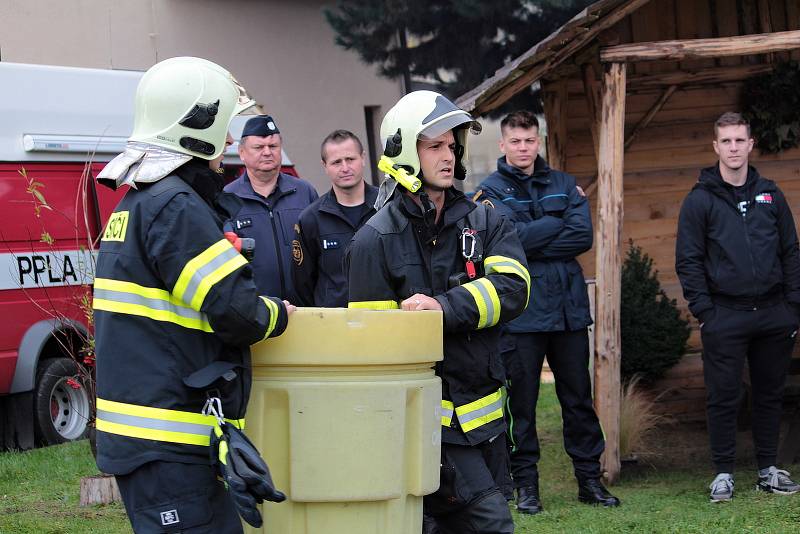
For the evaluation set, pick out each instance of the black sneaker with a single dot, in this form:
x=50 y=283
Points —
x=777 y=481
x=721 y=488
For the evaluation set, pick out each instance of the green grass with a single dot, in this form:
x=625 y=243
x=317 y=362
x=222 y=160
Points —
x=39 y=492
x=656 y=497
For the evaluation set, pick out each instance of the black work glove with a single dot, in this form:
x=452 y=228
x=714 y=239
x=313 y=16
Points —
x=245 y=473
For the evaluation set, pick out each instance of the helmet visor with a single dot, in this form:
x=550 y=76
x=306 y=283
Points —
x=447 y=123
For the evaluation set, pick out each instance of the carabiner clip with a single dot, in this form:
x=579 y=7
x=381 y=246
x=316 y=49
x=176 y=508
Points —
x=213 y=406
x=468 y=243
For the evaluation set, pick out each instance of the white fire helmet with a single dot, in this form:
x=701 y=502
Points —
x=418 y=115
x=186 y=104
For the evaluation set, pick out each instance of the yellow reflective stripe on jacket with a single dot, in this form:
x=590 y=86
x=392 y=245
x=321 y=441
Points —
x=273 y=310
x=447 y=412
x=158 y=424
x=506 y=265
x=204 y=270
x=157 y=304
x=478 y=413
x=485 y=295
x=375 y=305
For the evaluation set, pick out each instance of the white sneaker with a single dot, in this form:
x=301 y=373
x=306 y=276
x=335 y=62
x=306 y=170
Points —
x=777 y=481
x=722 y=488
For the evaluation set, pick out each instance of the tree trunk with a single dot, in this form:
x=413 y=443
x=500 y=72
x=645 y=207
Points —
x=101 y=489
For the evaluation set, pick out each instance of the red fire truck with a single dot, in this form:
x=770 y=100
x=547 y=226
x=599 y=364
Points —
x=58 y=127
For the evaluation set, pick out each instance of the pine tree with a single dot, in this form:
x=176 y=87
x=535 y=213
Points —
x=654 y=334
x=455 y=44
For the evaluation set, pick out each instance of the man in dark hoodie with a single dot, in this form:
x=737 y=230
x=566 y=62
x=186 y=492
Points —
x=737 y=259
x=551 y=216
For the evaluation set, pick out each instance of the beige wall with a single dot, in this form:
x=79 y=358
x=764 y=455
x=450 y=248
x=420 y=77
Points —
x=283 y=52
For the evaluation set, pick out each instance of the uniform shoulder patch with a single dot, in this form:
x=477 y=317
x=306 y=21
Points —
x=485 y=201
x=297 y=251
x=117 y=227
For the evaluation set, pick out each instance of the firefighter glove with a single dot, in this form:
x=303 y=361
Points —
x=245 y=473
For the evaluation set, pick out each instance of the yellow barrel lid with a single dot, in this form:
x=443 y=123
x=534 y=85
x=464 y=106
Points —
x=343 y=336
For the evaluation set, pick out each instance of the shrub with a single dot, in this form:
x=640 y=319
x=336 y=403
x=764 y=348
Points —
x=653 y=332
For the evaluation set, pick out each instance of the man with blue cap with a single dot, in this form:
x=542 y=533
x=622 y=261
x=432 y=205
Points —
x=272 y=205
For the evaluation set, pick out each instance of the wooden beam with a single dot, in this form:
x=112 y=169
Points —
x=701 y=77
x=608 y=342
x=589 y=189
x=702 y=48
x=592 y=91
x=554 y=96
x=649 y=115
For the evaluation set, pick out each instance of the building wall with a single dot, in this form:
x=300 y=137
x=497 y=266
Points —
x=282 y=51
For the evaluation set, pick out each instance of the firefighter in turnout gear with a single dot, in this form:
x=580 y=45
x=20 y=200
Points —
x=175 y=305
x=430 y=248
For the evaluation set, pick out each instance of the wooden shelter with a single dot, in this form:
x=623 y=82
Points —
x=631 y=90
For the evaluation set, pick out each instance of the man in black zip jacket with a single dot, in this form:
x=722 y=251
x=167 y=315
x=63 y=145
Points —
x=738 y=262
x=429 y=248
x=326 y=226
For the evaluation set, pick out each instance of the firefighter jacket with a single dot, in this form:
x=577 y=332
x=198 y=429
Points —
x=270 y=222
x=395 y=255
x=736 y=246
x=553 y=223
x=175 y=310
x=322 y=235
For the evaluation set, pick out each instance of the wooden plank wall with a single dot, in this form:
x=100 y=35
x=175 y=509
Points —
x=663 y=163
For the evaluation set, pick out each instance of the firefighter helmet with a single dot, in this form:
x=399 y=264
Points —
x=421 y=114
x=186 y=104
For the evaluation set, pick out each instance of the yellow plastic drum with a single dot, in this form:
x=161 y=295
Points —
x=345 y=409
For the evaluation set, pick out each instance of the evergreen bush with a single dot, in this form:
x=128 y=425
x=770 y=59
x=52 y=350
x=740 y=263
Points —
x=653 y=332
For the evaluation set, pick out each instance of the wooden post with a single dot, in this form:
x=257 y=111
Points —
x=554 y=96
x=609 y=264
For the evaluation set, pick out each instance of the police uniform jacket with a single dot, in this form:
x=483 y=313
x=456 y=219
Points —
x=736 y=246
x=175 y=310
x=270 y=222
x=554 y=225
x=392 y=257
x=322 y=236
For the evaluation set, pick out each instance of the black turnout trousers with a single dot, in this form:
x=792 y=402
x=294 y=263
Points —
x=765 y=338
x=174 y=497
x=468 y=500
x=568 y=355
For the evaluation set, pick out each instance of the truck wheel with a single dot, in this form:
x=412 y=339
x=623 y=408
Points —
x=61 y=402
